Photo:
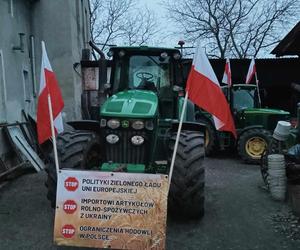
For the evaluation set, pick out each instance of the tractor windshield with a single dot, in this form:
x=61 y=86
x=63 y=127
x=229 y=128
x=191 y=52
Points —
x=145 y=72
x=148 y=72
x=243 y=98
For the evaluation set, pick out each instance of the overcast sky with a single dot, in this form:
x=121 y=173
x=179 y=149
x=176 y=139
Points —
x=166 y=27
x=168 y=35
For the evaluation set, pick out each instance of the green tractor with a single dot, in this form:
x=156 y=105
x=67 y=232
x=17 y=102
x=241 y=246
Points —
x=254 y=124
x=133 y=121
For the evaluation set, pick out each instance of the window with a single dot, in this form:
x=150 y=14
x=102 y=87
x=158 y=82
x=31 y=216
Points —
x=152 y=69
x=243 y=98
x=29 y=105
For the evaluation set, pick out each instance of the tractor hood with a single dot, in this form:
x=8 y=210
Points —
x=131 y=103
x=266 y=111
x=267 y=118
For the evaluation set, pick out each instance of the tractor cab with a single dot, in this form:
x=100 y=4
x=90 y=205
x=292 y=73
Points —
x=155 y=70
x=242 y=96
x=246 y=107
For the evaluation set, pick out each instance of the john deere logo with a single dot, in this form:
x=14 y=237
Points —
x=125 y=124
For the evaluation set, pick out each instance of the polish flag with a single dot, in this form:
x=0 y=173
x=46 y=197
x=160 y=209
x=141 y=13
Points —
x=204 y=90
x=48 y=87
x=251 y=71
x=227 y=74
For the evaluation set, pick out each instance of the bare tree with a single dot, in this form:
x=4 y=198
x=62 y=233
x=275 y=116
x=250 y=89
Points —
x=107 y=19
x=140 y=28
x=239 y=28
x=116 y=21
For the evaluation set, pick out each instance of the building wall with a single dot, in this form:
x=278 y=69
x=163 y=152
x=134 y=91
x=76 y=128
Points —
x=64 y=26
x=16 y=82
x=63 y=34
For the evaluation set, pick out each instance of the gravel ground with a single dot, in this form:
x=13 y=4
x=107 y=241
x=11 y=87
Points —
x=240 y=214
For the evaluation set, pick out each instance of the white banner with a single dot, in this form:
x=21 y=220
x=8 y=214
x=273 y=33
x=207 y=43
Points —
x=111 y=210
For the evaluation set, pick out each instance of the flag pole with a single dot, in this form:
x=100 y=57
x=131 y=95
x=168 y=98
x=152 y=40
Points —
x=229 y=92
x=256 y=80
x=177 y=137
x=53 y=134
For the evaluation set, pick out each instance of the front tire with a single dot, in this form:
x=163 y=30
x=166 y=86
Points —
x=186 y=195
x=78 y=149
x=252 y=144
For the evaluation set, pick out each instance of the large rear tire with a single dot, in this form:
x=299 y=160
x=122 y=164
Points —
x=78 y=149
x=186 y=196
x=211 y=140
x=252 y=144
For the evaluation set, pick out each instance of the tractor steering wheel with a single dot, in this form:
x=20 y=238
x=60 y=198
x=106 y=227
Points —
x=146 y=82
x=144 y=76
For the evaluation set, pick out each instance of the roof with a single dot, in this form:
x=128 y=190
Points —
x=290 y=44
x=142 y=48
x=244 y=86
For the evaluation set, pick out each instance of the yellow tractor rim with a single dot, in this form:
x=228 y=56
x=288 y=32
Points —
x=206 y=137
x=255 y=146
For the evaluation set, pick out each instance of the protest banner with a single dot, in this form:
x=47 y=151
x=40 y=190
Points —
x=111 y=210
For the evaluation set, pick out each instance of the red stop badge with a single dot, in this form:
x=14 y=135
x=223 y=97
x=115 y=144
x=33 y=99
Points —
x=71 y=183
x=68 y=231
x=70 y=206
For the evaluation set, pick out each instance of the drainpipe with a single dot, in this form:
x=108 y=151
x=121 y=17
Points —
x=32 y=62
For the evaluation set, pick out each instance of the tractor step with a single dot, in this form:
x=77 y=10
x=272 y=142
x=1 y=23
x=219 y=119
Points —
x=225 y=140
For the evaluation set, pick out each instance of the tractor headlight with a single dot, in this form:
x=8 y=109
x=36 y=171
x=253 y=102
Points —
x=122 y=53
x=176 y=56
x=164 y=55
x=137 y=140
x=113 y=123
x=112 y=139
x=149 y=125
x=138 y=125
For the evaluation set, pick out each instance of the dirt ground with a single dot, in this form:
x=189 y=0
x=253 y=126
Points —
x=240 y=214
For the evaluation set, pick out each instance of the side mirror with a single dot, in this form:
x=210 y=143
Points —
x=177 y=88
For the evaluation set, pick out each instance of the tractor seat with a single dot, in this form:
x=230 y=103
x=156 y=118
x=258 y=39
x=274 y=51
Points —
x=147 y=85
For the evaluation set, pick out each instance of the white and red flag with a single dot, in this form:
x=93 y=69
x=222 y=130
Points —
x=48 y=88
x=204 y=90
x=227 y=74
x=251 y=71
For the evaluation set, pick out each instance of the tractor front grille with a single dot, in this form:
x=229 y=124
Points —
x=124 y=151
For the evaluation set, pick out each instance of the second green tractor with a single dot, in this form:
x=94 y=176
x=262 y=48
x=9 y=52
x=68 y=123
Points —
x=254 y=124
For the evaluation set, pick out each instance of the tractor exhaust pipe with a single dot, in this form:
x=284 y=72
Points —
x=99 y=51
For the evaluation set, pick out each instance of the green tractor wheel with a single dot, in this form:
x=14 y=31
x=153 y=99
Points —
x=252 y=144
x=76 y=150
x=186 y=196
x=211 y=140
